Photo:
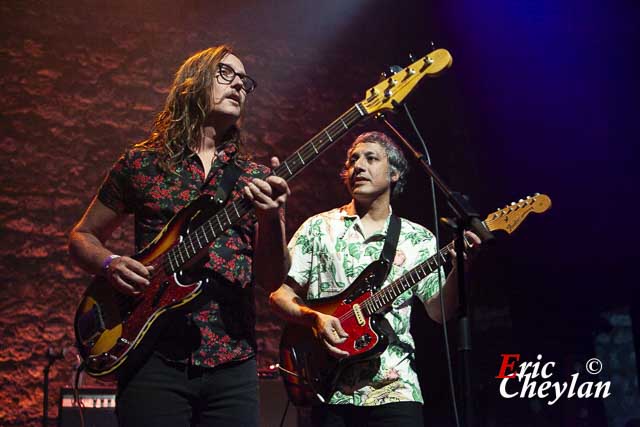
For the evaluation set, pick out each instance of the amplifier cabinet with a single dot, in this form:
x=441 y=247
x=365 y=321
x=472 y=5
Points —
x=99 y=408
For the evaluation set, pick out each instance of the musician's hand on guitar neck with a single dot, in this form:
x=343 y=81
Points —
x=268 y=195
x=128 y=276
x=472 y=246
x=329 y=330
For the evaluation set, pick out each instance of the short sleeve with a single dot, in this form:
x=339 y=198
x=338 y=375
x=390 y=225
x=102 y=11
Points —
x=115 y=190
x=301 y=251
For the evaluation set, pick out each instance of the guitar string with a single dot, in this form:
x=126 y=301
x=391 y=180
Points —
x=352 y=116
x=308 y=150
x=314 y=147
x=370 y=303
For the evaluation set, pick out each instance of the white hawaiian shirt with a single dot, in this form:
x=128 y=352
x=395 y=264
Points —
x=328 y=252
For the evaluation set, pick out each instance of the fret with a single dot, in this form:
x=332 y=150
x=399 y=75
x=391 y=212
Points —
x=300 y=157
x=170 y=262
x=392 y=293
x=198 y=239
x=314 y=147
x=344 y=124
x=180 y=253
x=175 y=256
x=287 y=166
x=227 y=215
x=411 y=276
x=236 y=209
x=444 y=259
x=192 y=246
x=212 y=230
x=359 y=110
x=407 y=283
x=328 y=136
x=219 y=223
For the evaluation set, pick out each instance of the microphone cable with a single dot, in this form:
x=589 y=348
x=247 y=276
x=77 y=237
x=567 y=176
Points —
x=441 y=297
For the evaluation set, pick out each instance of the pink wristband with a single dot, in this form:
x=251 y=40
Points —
x=107 y=262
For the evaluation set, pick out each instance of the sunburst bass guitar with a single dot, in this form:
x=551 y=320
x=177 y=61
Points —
x=111 y=328
x=310 y=373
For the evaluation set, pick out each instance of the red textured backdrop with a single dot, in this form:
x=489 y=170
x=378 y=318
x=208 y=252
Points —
x=81 y=80
x=80 y=83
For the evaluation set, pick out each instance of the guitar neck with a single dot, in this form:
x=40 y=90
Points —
x=296 y=162
x=231 y=214
x=383 y=299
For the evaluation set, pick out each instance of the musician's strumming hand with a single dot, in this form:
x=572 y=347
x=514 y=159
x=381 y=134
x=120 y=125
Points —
x=329 y=330
x=128 y=276
x=268 y=195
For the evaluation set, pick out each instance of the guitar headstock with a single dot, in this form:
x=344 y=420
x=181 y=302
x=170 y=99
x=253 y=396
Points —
x=395 y=88
x=511 y=216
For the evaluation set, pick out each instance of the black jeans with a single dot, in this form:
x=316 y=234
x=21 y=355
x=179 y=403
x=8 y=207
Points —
x=163 y=393
x=399 y=414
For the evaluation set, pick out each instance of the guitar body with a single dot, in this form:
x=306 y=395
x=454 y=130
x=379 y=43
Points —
x=310 y=373
x=110 y=325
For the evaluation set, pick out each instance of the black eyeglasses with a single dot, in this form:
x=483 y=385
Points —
x=228 y=74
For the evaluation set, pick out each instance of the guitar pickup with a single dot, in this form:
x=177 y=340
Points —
x=357 y=311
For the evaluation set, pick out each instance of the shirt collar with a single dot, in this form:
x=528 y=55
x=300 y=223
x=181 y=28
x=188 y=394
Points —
x=348 y=215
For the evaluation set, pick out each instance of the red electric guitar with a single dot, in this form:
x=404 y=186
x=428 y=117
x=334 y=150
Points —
x=112 y=328
x=310 y=373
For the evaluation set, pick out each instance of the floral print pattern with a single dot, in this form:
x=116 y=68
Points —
x=328 y=252
x=137 y=185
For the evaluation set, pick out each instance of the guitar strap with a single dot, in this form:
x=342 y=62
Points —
x=229 y=178
x=388 y=255
x=391 y=241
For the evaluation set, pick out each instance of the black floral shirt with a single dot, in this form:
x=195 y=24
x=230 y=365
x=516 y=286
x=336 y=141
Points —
x=221 y=328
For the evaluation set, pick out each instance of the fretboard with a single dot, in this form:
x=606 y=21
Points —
x=205 y=234
x=385 y=296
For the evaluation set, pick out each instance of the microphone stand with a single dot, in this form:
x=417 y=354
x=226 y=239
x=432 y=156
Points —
x=51 y=358
x=465 y=218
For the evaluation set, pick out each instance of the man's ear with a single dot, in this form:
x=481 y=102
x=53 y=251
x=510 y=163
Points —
x=394 y=177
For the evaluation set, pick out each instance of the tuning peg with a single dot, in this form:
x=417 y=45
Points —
x=383 y=75
x=432 y=46
x=394 y=69
x=411 y=58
